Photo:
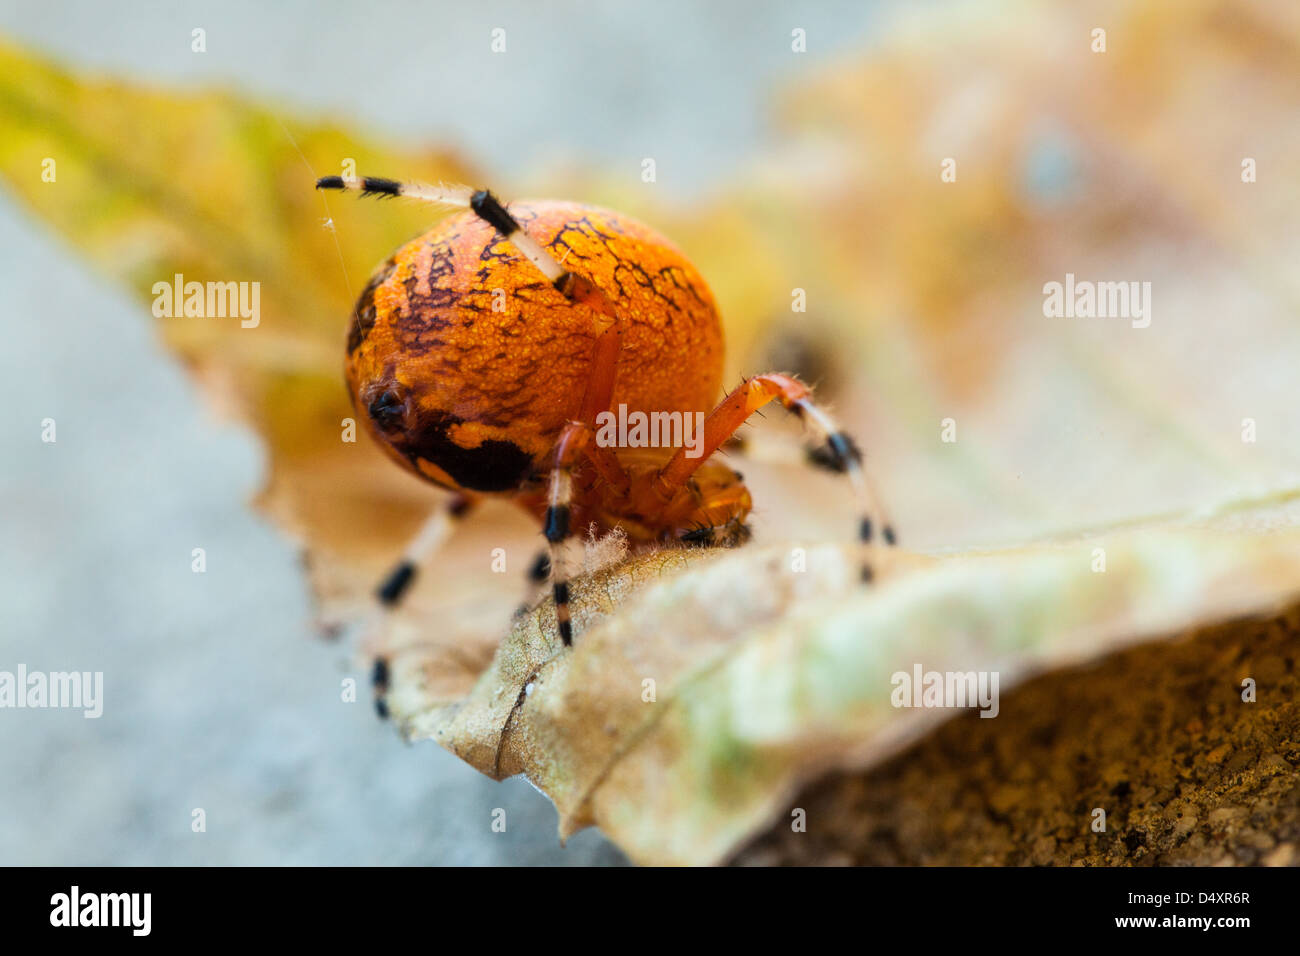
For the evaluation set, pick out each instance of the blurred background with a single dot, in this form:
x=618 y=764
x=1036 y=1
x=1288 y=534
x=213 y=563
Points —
x=795 y=147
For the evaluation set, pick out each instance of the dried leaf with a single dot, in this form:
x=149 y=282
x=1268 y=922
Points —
x=765 y=679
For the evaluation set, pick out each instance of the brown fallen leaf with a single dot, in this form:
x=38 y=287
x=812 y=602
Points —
x=764 y=678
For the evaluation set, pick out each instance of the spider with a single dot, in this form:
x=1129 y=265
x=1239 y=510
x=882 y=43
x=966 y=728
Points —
x=485 y=354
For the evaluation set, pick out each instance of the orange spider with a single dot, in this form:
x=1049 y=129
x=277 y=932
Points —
x=490 y=354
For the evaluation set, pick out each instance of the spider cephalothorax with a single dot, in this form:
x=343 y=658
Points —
x=489 y=356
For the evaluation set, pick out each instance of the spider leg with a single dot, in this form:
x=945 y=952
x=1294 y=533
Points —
x=718 y=519
x=486 y=206
x=832 y=448
x=539 y=572
x=730 y=534
x=577 y=441
x=396 y=584
x=440 y=195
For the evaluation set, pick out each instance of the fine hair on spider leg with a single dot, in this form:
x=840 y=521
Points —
x=441 y=195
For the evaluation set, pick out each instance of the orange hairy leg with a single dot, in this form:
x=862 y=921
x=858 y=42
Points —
x=833 y=449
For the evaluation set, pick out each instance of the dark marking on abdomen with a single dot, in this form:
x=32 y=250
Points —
x=493 y=466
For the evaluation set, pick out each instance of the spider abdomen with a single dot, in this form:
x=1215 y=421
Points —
x=468 y=363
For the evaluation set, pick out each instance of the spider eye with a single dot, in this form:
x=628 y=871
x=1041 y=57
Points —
x=387 y=410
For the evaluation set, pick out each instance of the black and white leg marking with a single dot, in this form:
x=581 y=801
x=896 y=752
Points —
x=378 y=186
x=555 y=527
x=396 y=585
x=835 y=451
x=539 y=572
x=487 y=207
